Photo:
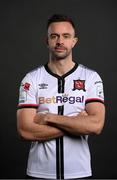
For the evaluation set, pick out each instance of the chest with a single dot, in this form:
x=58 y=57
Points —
x=69 y=92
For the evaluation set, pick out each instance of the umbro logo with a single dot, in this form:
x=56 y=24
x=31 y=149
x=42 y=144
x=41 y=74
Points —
x=43 y=86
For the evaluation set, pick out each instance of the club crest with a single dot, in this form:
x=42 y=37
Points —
x=79 y=85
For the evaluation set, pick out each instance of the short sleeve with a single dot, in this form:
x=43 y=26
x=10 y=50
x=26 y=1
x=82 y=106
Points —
x=27 y=93
x=95 y=91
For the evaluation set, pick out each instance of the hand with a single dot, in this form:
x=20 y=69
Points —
x=40 y=119
x=44 y=118
x=83 y=113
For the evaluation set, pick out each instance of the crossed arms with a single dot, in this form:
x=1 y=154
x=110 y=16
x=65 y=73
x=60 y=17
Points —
x=43 y=127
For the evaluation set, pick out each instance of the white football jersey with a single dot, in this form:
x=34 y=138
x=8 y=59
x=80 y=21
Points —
x=68 y=156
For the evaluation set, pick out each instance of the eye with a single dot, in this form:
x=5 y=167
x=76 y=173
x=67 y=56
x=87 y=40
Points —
x=66 y=36
x=53 y=36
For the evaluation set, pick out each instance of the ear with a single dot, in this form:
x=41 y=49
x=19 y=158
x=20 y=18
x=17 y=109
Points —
x=46 y=41
x=75 y=40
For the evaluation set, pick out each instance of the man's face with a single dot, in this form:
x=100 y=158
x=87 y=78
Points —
x=61 y=40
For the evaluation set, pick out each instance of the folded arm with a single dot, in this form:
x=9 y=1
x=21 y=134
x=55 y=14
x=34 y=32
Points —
x=29 y=130
x=33 y=126
x=89 y=123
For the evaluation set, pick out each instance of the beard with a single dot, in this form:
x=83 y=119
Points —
x=59 y=53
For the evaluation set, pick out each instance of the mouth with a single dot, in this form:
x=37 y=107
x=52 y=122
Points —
x=59 y=49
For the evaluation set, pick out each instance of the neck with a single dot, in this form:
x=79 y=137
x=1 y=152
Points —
x=60 y=67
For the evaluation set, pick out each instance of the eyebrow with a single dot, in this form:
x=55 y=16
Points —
x=54 y=34
x=59 y=34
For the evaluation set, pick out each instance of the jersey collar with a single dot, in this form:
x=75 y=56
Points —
x=63 y=76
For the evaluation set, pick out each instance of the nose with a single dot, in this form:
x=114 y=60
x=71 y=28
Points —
x=59 y=40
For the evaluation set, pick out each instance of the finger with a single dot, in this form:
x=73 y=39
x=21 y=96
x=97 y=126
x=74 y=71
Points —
x=83 y=113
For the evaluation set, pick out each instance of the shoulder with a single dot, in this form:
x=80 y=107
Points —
x=88 y=71
x=36 y=71
x=33 y=75
x=89 y=74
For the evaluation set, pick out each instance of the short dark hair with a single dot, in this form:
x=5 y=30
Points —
x=60 y=18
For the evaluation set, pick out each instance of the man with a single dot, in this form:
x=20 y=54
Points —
x=60 y=104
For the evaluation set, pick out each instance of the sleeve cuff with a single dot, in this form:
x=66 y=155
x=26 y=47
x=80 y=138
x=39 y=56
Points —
x=94 y=100
x=20 y=106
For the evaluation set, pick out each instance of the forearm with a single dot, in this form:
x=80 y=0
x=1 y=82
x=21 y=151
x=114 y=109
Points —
x=69 y=124
x=76 y=125
x=84 y=123
x=30 y=130
x=46 y=132
x=41 y=133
